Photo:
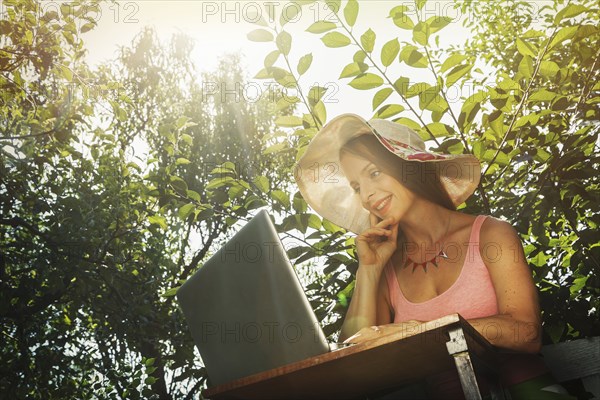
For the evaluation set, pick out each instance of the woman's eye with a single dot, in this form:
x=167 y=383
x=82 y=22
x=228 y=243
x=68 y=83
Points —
x=375 y=173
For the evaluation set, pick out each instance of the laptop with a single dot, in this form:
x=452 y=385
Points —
x=246 y=308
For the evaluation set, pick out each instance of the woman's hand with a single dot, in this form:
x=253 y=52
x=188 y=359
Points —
x=375 y=245
x=407 y=328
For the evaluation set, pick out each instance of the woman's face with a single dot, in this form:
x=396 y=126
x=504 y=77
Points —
x=380 y=193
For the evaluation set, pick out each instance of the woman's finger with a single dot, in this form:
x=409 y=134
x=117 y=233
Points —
x=386 y=222
x=375 y=232
x=365 y=334
x=373 y=219
x=394 y=232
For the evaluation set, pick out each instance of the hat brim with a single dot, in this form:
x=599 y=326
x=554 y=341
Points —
x=326 y=189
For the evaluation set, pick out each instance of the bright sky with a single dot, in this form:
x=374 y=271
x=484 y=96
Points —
x=222 y=26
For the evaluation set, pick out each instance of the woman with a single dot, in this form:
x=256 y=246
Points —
x=419 y=258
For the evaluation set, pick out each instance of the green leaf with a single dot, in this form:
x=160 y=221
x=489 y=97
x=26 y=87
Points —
x=285 y=102
x=470 y=108
x=496 y=122
x=415 y=126
x=288 y=121
x=281 y=197
x=526 y=49
x=457 y=72
x=333 y=5
x=502 y=159
x=351 y=12
x=569 y=11
x=437 y=23
x=420 y=4
x=182 y=161
x=549 y=69
x=260 y=35
x=178 y=184
x=411 y=56
x=283 y=77
x=315 y=94
x=401 y=20
x=381 y=96
x=321 y=27
x=451 y=61
x=430 y=99
x=389 y=110
x=262 y=183
x=439 y=129
x=186 y=210
x=88 y=27
x=368 y=40
x=186 y=138
x=335 y=39
x=359 y=57
x=158 y=220
x=170 y=292
x=351 y=69
x=264 y=73
x=526 y=67
x=578 y=284
x=401 y=85
x=271 y=58
x=562 y=35
x=150 y=380
x=66 y=73
x=542 y=95
x=314 y=221
x=366 y=81
x=304 y=63
x=284 y=42
x=320 y=112
x=389 y=52
x=289 y=13
x=193 y=195
x=421 y=33
x=541 y=155
x=65 y=9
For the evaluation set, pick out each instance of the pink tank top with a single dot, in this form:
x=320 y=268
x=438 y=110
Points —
x=473 y=282
x=472 y=296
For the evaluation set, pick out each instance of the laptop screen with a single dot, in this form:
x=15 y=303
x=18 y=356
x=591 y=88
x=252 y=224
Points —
x=246 y=308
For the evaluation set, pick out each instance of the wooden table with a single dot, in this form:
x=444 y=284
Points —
x=383 y=363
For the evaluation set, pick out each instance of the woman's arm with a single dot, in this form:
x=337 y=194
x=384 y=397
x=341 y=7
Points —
x=517 y=326
x=374 y=247
x=369 y=305
x=518 y=323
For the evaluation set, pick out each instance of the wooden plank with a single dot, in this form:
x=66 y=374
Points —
x=576 y=359
x=467 y=376
x=382 y=363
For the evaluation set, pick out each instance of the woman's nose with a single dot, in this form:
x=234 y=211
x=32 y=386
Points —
x=366 y=193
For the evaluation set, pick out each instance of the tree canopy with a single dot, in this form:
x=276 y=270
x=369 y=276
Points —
x=118 y=181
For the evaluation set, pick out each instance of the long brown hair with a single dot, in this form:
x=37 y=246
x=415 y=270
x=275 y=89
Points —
x=421 y=178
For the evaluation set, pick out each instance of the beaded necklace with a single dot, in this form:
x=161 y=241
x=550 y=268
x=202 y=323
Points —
x=409 y=261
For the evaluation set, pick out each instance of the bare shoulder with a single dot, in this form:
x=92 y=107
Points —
x=493 y=227
x=498 y=239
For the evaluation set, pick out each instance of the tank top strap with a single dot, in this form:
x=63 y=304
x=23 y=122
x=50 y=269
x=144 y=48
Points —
x=473 y=258
x=474 y=238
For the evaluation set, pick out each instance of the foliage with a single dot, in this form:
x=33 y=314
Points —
x=114 y=190
x=533 y=123
x=117 y=183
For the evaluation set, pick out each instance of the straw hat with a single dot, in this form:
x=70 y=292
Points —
x=325 y=188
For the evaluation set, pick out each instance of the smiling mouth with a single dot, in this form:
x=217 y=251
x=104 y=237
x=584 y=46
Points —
x=383 y=203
